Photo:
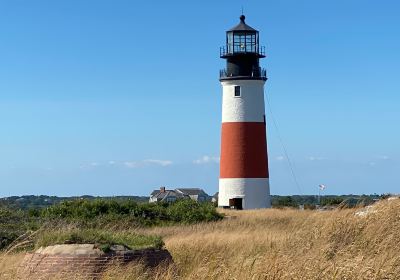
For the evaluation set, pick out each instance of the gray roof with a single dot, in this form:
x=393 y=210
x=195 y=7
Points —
x=242 y=26
x=191 y=191
x=154 y=192
x=161 y=195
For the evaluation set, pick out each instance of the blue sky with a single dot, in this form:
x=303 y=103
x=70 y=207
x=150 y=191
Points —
x=121 y=97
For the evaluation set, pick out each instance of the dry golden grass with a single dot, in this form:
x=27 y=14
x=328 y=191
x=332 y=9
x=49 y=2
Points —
x=9 y=264
x=290 y=244
x=281 y=244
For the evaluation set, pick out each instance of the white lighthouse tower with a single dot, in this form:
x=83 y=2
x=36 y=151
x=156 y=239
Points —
x=244 y=176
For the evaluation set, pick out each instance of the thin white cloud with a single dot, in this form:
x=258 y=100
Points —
x=158 y=162
x=313 y=158
x=206 y=159
x=131 y=164
x=147 y=162
x=127 y=164
x=384 y=157
x=89 y=165
x=280 y=158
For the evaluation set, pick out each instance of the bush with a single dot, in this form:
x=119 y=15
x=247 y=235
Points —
x=102 y=221
x=187 y=211
x=14 y=223
x=147 y=214
x=284 y=201
x=89 y=209
x=331 y=201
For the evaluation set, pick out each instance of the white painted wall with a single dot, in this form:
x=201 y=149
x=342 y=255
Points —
x=247 y=108
x=254 y=191
x=153 y=198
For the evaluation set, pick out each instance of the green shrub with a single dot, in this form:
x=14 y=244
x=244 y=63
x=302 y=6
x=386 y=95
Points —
x=327 y=201
x=284 y=201
x=147 y=214
x=187 y=211
x=89 y=209
x=102 y=221
x=14 y=223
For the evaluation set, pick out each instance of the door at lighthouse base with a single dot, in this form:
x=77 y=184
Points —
x=236 y=203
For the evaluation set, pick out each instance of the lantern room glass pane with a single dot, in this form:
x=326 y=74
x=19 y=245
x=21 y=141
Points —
x=239 y=42
x=242 y=42
x=230 y=42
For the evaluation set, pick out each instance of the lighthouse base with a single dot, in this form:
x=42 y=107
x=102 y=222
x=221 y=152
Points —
x=253 y=193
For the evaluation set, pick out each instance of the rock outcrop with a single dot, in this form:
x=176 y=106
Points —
x=84 y=261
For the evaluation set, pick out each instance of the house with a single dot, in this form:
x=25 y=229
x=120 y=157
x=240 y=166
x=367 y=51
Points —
x=215 y=198
x=180 y=193
x=195 y=193
x=163 y=195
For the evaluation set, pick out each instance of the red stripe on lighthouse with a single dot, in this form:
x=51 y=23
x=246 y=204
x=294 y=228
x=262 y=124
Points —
x=244 y=150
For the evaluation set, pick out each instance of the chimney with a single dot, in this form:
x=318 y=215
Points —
x=162 y=189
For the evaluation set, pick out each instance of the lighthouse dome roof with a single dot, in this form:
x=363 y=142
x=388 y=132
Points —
x=242 y=26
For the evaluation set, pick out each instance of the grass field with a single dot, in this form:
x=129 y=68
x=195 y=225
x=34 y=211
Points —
x=276 y=244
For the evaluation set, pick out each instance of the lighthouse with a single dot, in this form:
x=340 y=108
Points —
x=244 y=175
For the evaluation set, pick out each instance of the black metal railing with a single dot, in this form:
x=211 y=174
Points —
x=224 y=51
x=256 y=73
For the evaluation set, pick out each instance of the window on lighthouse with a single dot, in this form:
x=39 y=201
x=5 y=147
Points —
x=237 y=91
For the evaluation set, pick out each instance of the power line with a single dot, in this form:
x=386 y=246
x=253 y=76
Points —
x=283 y=146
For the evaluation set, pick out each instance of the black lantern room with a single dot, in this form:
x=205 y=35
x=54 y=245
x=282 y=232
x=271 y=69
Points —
x=242 y=53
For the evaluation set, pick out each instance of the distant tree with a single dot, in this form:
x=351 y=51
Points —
x=284 y=201
x=328 y=201
x=385 y=195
